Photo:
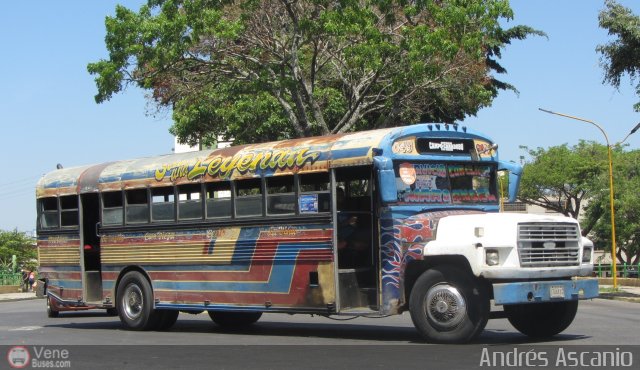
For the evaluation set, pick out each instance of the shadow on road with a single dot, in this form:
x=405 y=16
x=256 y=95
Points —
x=265 y=328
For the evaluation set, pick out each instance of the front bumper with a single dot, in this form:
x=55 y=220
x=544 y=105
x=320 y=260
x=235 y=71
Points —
x=535 y=273
x=545 y=291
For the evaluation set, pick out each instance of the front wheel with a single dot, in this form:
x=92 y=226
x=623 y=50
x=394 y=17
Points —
x=135 y=302
x=448 y=305
x=230 y=320
x=51 y=312
x=542 y=320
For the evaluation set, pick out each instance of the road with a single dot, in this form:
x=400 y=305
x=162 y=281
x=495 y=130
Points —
x=599 y=322
x=277 y=341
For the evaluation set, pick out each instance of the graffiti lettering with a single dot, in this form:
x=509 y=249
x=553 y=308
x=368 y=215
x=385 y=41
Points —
x=224 y=167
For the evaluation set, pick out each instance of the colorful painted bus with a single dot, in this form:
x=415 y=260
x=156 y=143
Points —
x=371 y=223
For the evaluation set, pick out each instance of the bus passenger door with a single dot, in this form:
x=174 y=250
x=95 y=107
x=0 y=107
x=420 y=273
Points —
x=356 y=240
x=91 y=266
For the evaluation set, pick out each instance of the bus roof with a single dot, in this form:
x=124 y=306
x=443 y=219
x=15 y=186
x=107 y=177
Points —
x=304 y=155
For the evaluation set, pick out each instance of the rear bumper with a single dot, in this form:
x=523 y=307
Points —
x=545 y=291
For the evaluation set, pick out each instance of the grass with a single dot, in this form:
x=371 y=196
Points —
x=610 y=290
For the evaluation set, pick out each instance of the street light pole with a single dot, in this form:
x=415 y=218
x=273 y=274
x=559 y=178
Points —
x=614 y=257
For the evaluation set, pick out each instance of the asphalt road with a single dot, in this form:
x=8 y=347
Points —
x=599 y=322
x=280 y=341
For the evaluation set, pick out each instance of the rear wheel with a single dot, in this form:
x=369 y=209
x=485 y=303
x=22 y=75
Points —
x=135 y=302
x=542 y=320
x=51 y=312
x=167 y=319
x=447 y=305
x=228 y=319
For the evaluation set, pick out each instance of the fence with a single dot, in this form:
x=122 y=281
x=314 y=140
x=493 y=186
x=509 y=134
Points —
x=623 y=270
x=10 y=278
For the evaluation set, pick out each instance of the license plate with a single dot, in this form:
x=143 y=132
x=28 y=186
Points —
x=557 y=291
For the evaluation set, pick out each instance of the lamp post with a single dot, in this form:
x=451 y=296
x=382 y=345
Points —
x=613 y=222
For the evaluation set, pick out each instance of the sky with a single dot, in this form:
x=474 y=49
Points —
x=48 y=114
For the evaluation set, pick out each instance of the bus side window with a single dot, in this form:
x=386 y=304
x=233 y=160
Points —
x=317 y=183
x=112 y=208
x=218 y=199
x=137 y=206
x=249 y=198
x=69 y=211
x=190 y=202
x=49 y=213
x=281 y=199
x=162 y=204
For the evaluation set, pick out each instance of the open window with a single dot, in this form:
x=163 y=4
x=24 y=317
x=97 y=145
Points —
x=190 y=202
x=163 y=204
x=249 y=198
x=49 y=212
x=218 y=197
x=112 y=208
x=69 y=215
x=137 y=206
x=315 y=195
x=281 y=199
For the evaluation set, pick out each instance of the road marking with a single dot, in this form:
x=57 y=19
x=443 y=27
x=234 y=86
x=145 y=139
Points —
x=26 y=328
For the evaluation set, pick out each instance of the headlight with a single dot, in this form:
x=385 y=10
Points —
x=492 y=257
x=586 y=255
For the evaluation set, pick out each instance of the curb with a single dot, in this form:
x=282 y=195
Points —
x=17 y=299
x=619 y=298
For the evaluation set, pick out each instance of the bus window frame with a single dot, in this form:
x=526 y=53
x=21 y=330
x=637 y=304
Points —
x=231 y=189
x=75 y=210
x=42 y=213
x=121 y=207
x=154 y=204
x=146 y=206
x=179 y=202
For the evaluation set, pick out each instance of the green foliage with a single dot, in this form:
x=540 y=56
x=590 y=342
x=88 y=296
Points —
x=627 y=206
x=563 y=178
x=261 y=70
x=621 y=56
x=560 y=178
x=18 y=244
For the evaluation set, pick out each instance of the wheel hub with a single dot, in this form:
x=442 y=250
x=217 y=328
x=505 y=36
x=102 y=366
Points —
x=132 y=301
x=445 y=306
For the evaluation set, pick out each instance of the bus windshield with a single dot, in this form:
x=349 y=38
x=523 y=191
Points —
x=439 y=183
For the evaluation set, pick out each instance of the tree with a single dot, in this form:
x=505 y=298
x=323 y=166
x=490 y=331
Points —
x=627 y=206
x=18 y=244
x=621 y=56
x=561 y=178
x=270 y=69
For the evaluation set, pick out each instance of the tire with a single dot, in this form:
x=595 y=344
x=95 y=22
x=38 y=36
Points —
x=448 y=305
x=232 y=320
x=135 y=302
x=167 y=319
x=112 y=311
x=541 y=320
x=51 y=312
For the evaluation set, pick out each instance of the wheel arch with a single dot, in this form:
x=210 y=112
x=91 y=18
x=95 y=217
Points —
x=126 y=270
x=416 y=268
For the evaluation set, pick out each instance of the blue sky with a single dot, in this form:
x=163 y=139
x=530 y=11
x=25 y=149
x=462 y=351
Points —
x=48 y=115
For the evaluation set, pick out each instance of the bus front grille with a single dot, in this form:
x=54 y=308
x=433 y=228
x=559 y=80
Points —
x=548 y=244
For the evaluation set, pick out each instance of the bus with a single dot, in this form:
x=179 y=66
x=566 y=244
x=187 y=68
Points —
x=372 y=223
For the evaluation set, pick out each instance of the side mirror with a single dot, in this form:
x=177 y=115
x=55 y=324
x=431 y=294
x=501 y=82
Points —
x=387 y=179
x=514 y=172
